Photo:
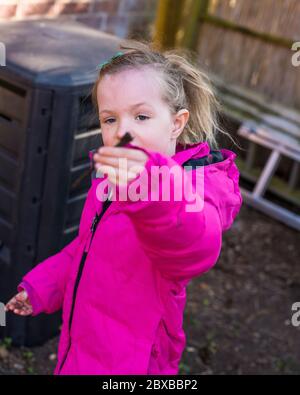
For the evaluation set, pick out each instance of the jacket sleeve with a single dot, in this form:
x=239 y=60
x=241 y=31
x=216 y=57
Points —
x=180 y=241
x=46 y=282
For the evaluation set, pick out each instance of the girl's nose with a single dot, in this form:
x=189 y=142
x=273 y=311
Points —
x=121 y=134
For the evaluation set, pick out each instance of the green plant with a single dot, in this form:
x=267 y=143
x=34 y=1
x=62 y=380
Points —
x=6 y=342
x=28 y=355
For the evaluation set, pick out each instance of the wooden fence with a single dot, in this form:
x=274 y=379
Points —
x=247 y=43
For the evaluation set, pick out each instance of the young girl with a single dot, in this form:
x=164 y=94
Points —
x=121 y=283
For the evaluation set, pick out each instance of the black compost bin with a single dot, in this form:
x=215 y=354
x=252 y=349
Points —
x=46 y=131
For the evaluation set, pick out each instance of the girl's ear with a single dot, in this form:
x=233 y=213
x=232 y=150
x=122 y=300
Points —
x=180 y=120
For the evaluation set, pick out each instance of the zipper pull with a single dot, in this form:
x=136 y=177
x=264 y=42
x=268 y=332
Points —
x=94 y=223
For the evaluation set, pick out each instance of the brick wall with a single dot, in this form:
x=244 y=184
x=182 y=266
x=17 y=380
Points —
x=124 y=18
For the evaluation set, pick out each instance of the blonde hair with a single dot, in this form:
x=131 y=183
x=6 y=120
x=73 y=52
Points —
x=183 y=84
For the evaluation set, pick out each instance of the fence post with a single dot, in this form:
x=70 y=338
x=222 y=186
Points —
x=195 y=12
x=168 y=17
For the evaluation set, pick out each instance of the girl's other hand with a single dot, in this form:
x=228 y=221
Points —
x=20 y=304
x=107 y=160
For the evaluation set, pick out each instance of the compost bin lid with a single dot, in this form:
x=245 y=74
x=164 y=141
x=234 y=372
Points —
x=55 y=53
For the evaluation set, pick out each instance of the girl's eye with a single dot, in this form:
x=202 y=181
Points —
x=144 y=116
x=112 y=119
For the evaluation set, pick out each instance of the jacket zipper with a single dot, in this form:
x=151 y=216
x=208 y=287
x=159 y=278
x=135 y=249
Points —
x=93 y=228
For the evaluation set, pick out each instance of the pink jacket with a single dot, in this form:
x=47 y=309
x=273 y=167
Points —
x=123 y=300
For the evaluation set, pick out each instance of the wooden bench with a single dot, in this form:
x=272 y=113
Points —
x=270 y=125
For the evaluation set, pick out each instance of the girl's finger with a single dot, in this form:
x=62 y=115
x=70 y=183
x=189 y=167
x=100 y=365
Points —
x=26 y=312
x=130 y=167
x=114 y=161
x=21 y=296
x=117 y=175
x=123 y=179
x=10 y=304
x=122 y=152
x=117 y=172
x=19 y=305
x=10 y=307
x=105 y=169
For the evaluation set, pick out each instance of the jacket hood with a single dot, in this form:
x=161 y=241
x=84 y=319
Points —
x=221 y=177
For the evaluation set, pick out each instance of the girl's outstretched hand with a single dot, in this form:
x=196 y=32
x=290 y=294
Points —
x=20 y=304
x=119 y=163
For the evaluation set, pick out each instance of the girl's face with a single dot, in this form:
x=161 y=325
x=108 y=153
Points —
x=130 y=101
